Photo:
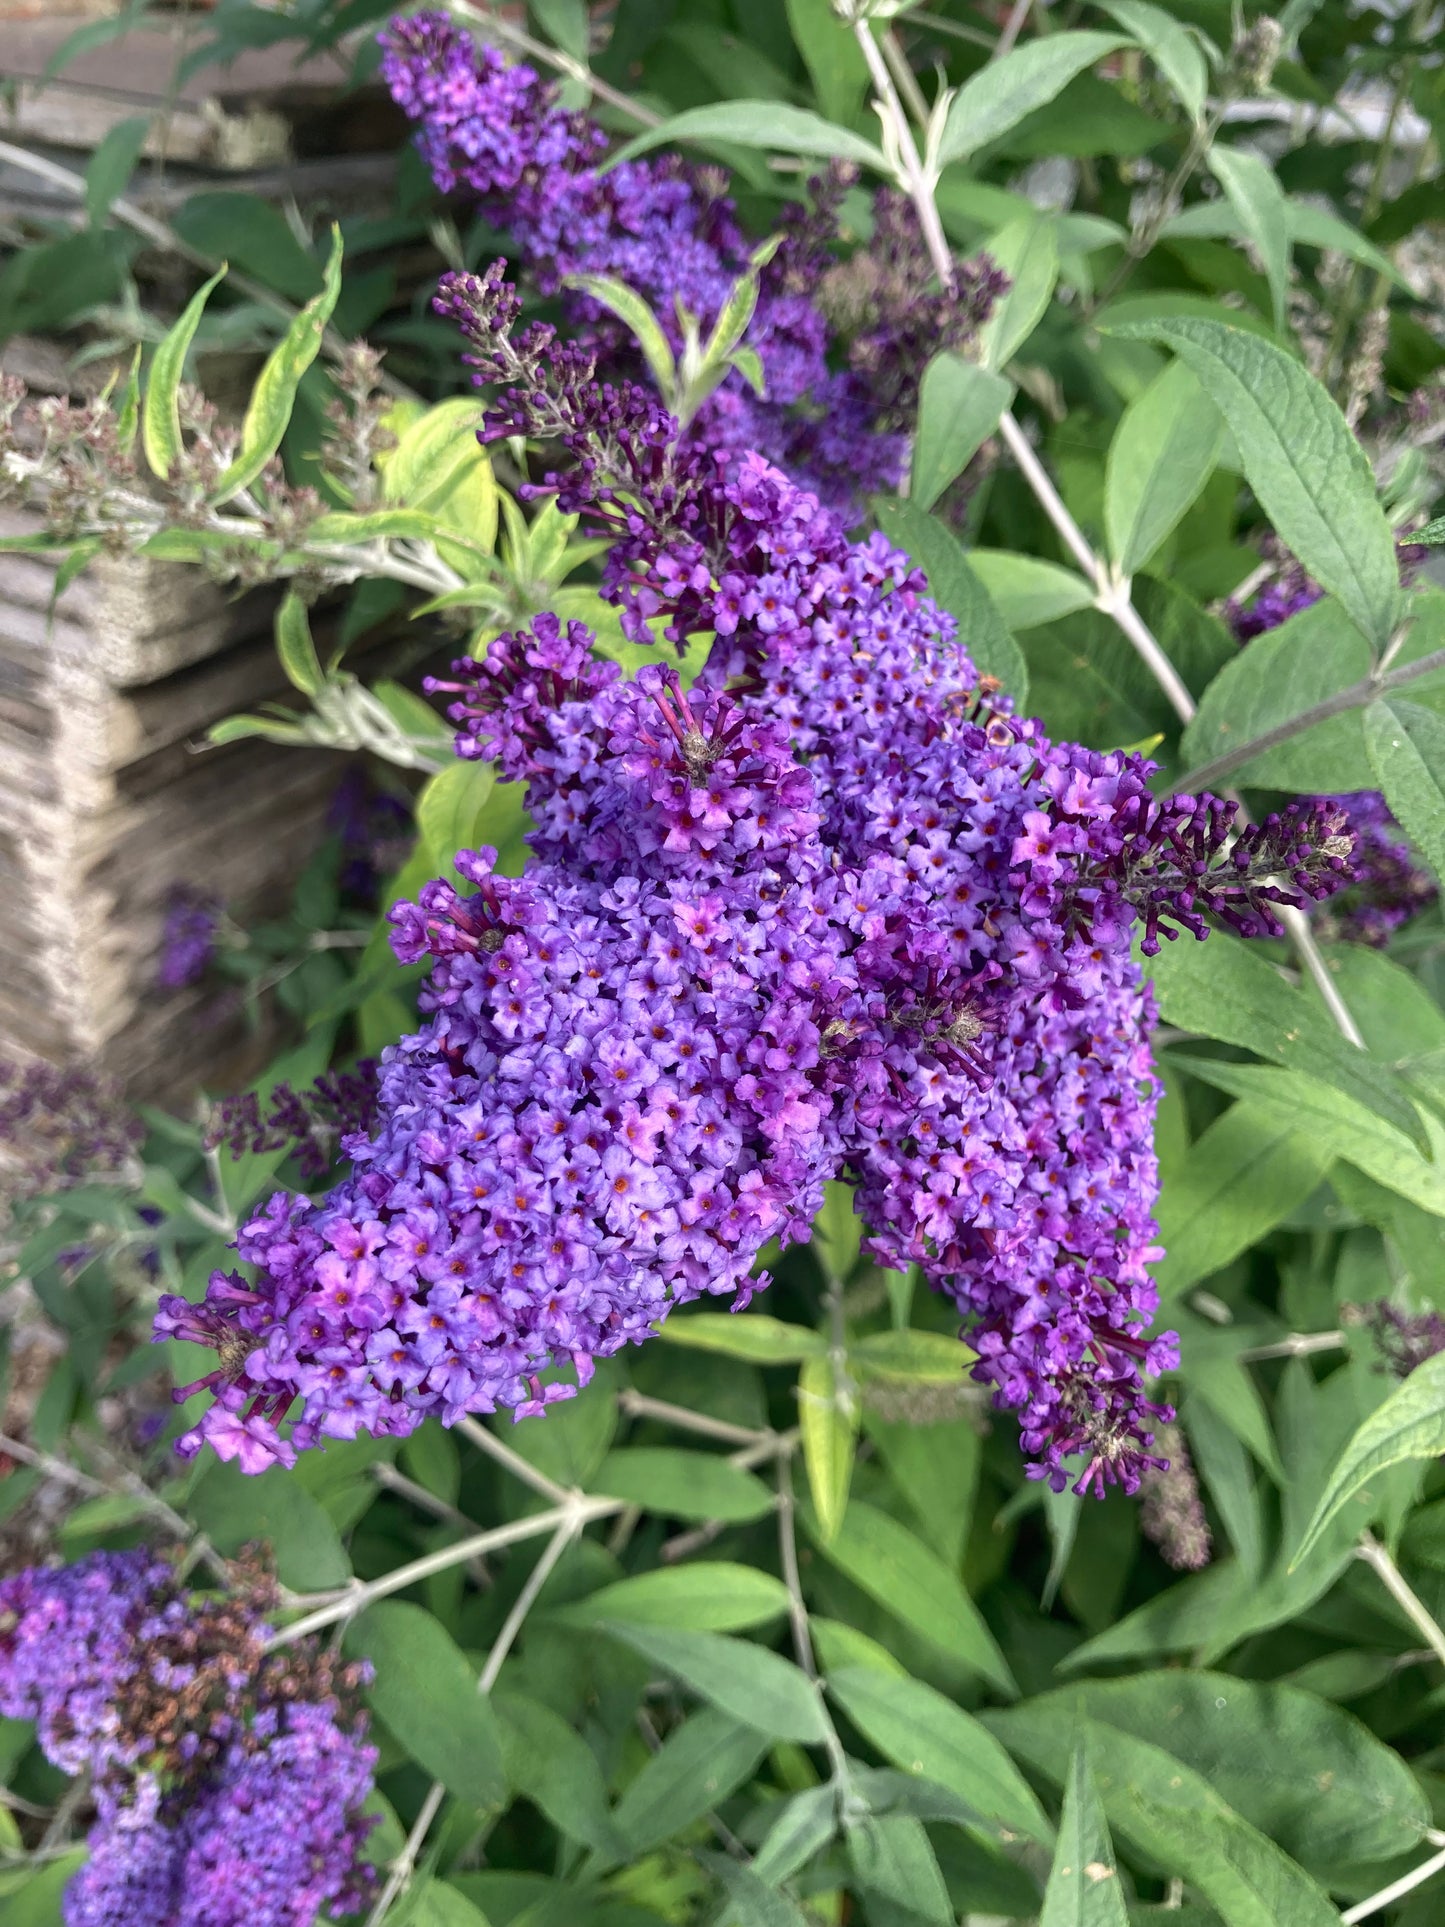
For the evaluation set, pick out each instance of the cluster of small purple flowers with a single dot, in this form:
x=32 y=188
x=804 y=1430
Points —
x=188 y=937
x=1388 y=885
x=227 y=1783
x=833 y=912
x=308 y=1124
x=60 y=1125
x=669 y=231
x=1404 y=1339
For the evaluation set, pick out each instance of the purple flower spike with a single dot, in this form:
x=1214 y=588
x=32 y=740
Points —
x=228 y=1782
x=833 y=911
x=668 y=229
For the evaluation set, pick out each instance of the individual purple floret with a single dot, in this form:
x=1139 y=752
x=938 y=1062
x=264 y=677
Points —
x=228 y=1783
x=1388 y=885
x=669 y=231
x=188 y=937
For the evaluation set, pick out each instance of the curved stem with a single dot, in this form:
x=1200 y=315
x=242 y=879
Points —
x=578 y=1511
x=404 y=1865
x=1397 y=1889
x=1395 y=1583
x=798 y=1615
x=1357 y=696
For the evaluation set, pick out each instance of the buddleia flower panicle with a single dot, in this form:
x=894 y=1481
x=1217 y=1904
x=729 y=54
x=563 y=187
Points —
x=227 y=1781
x=842 y=344
x=833 y=911
x=63 y=1125
x=188 y=936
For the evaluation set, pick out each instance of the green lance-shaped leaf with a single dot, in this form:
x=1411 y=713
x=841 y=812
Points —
x=1170 y=1812
x=956 y=588
x=1258 y=199
x=234 y=1511
x=1163 y=452
x=1309 y=1774
x=707 y=1596
x=1301 y=460
x=1406 y=747
x=1409 y=1425
x=753 y=1336
x=837 y=1232
x=922 y=1731
x=1239 y=1179
x=449 y=807
x=1028 y=252
x=769 y=124
x=274 y=395
x=127 y=414
x=959 y=405
x=895 y=1567
x=111 y=166
x=747 y=1682
x=426 y=1694
x=160 y=416
x=1280 y=676
x=1004 y=92
x=296 y=649
x=1028 y=591
x=700 y=1763
x=678 y=1484
x=893 y=1858
x=1223 y=989
x=1083 y=1889
x=828 y=1417
x=922 y=1357
x=635 y=315
x=557 y=1771
x=1170 y=45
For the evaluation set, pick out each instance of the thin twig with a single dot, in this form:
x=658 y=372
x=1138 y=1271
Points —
x=639 y=1405
x=1297 y=1345
x=1012 y=28
x=905 y=77
x=1357 y=696
x=798 y=1615
x=125 y=1484
x=579 y=1511
x=495 y=27
x=161 y=235
x=1378 y=1559
x=404 y=1865
x=1407 y=1883
x=519 y=1467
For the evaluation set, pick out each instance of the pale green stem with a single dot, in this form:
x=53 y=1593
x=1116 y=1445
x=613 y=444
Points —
x=1397 y=1889
x=798 y=1618
x=1357 y=696
x=638 y=1405
x=578 y=1511
x=405 y=1863
x=519 y=1467
x=1395 y=1583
